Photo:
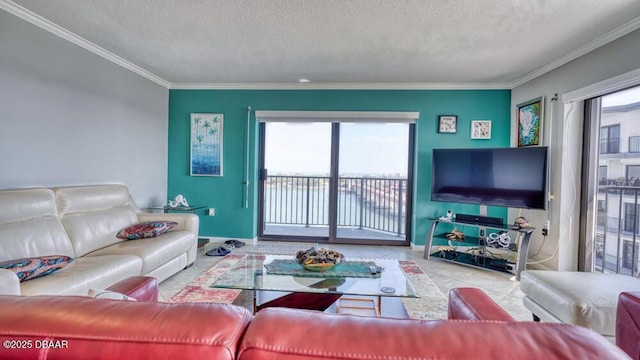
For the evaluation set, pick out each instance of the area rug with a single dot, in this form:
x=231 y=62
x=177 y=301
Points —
x=198 y=290
x=432 y=304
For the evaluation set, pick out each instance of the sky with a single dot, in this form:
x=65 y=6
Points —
x=376 y=149
x=623 y=97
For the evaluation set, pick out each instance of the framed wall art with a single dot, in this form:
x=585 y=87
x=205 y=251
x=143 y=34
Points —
x=481 y=129
x=529 y=116
x=447 y=124
x=206 y=144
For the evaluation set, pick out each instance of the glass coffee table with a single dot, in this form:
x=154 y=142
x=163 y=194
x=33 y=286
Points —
x=305 y=289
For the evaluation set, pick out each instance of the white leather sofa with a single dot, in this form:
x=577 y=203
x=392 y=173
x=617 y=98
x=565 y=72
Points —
x=587 y=299
x=82 y=222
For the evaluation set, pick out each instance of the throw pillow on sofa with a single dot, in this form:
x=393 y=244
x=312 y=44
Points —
x=144 y=230
x=31 y=268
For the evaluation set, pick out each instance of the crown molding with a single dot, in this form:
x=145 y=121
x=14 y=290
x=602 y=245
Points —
x=608 y=86
x=338 y=86
x=580 y=51
x=39 y=21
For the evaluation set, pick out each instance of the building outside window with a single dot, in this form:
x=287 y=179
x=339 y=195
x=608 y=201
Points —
x=610 y=139
x=631 y=218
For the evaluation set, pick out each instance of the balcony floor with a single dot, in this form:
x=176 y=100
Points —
x=323 y=231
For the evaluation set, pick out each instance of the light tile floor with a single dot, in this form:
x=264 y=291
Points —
x=501 y=287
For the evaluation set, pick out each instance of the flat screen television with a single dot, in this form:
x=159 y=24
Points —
x=510 y=177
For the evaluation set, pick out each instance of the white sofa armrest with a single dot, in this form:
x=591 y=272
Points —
x=9 y=283
x=189 y=222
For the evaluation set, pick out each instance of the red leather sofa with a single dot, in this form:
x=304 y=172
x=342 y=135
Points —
x=72 y=327
x=628 y=323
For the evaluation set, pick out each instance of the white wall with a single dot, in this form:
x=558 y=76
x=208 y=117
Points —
x=563 y=134
x=69 y=117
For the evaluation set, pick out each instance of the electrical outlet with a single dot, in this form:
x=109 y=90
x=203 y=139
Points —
x=212 y=212
x=545 y=228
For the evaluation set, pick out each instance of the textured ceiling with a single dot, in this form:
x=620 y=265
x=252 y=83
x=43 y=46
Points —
x=339 y=41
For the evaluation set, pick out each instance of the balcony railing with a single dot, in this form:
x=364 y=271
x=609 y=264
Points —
x=363 y=202
x=617 y=243
x=610 y=146
x=634 y=144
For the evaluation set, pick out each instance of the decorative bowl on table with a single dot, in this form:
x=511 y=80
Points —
x=319 y=267
x=318 y=259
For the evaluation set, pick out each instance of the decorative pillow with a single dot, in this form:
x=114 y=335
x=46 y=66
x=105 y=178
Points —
x=144 y=230
x=106 y=294
x=31 y=268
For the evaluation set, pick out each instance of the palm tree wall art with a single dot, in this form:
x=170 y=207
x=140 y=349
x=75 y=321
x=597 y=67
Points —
x=206 y=144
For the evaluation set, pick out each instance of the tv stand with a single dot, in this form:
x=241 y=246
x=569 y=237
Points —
x=476 y=251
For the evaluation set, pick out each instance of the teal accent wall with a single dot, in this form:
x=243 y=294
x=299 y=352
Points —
x=226 y=193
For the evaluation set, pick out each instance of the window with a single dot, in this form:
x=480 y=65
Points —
x=633 y=175
x=610 y=139
x=611 y=208
x=602 y=175
x=631 y=218
x=629 y=252
x=602 y=205
x=634 y=144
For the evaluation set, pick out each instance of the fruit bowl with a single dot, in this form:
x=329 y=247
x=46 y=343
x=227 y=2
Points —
x=319 y=266
x=318 y=259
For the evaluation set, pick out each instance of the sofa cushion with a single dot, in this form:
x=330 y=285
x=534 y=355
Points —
x=96 y=329
x=29 y=225
x=83 y=273
x=323 y=336
x=154 y=252
x=92 y=215
x=148 y=229
x=31 y=268
x=587 y=299
x=21 y=205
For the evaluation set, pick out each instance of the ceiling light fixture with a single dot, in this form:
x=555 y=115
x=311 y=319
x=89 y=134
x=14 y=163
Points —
x=304 y=80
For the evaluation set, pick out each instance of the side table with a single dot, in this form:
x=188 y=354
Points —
x=166 y=208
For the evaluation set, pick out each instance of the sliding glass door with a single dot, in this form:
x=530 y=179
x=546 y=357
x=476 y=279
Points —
x=339 y=182
x=295 y=179
x=373 y=181
x=611 y=211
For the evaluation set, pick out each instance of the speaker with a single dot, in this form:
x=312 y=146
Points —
x=477 y=219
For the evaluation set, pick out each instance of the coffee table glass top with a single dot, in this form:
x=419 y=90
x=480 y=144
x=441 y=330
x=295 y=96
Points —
x=250 y=273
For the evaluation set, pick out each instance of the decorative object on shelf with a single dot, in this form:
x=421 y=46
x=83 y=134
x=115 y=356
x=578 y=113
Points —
x=481 y=129
x=447 y=250
x=319 y=259
x=206 y=144
x=529 y=115
x=448 y=124
x=520 y=223
x=448 y=217
x=178 y=201
x=500 y=239
x=455 y=235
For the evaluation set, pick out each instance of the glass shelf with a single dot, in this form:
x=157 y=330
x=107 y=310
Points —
x=476 y=251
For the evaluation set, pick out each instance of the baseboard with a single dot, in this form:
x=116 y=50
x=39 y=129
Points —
x=415 y=247
x=214 y=239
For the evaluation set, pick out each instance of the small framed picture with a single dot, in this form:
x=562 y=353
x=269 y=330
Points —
x=481 y=129
x=448 y=124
